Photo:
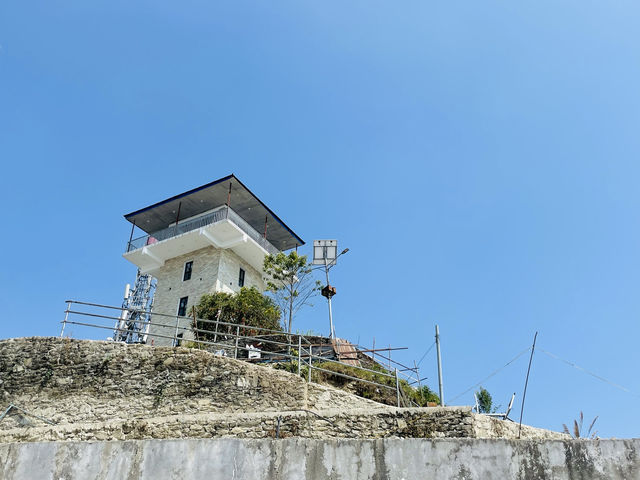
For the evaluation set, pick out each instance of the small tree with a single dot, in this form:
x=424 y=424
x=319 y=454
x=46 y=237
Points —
x=485 y=402
x=291 y=283
x=424 y=396
x=214 y=306
x=247 y=307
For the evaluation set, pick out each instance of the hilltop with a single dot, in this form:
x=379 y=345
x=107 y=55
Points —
x=99 y=390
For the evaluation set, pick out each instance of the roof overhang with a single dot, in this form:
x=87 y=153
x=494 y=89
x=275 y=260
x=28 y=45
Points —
x=207 y=197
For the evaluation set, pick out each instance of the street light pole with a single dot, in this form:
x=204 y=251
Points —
x=332 y=332
x=329 y=291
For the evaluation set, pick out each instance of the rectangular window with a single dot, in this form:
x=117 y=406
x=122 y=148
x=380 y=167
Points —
x=241 y=278
x=182 y=307
x=187 y=271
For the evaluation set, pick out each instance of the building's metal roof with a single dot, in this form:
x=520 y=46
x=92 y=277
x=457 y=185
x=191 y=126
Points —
x=199 y=200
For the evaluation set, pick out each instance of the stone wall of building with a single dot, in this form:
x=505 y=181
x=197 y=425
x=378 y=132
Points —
x=230 y=264
x=170 y=288
x=213 y=270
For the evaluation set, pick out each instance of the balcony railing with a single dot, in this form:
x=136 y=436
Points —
x=225 y=213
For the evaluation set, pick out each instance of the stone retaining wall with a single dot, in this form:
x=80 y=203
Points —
x=72 y=381
x=437 y=423
x=446 y=422
x=112 y=391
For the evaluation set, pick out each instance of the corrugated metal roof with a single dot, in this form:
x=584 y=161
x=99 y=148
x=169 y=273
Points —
x=207 y=197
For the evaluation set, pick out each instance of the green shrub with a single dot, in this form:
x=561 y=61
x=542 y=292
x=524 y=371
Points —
x=420 y=396
x=248 y=307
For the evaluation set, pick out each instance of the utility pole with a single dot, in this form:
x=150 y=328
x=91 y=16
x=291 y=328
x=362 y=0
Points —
x=439 y=366
x=526 y=382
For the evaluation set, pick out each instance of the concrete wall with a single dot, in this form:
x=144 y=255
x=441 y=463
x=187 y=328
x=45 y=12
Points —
x=296 y=459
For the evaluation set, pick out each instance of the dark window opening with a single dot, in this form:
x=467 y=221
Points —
x=182 y=307
x=179 y=339
x=241 y=278
x=188 y=267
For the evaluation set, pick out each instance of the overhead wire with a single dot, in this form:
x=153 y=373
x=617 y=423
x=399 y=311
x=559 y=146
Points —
x=426 y=353
x=578 y=367
x=552 y=355
x=491 y=375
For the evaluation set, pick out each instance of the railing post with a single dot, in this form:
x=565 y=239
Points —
x=215 y=335
x=175 y=335
x=66 y=316
x=235 y=352
x=397 y=388
x=299 y=353
x=133 y=226
x=310 y=358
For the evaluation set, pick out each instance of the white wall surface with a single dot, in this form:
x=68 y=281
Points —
x=297 y=459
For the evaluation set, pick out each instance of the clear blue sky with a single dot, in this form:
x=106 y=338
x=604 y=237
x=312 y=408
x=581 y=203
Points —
x=480 y=160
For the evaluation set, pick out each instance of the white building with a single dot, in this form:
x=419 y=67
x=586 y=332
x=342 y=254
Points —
x=210 y=239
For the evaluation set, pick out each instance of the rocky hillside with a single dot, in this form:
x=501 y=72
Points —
x=79 y=389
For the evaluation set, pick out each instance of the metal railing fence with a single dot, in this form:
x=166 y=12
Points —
x=237 y=338
x=252 y=232
x=225 y=213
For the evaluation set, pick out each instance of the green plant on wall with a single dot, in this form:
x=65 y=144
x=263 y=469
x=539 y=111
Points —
x=421 y=396
x=424 y=395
